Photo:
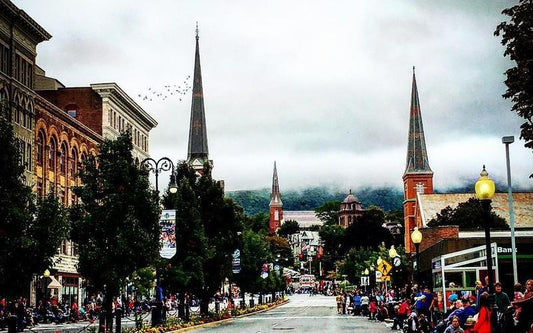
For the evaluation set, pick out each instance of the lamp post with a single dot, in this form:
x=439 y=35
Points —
x=163 y=164
x=484 y=192
x=416 y=238
x=367 y=279
x=392 y=255
x=507 y=140
x=46 y=275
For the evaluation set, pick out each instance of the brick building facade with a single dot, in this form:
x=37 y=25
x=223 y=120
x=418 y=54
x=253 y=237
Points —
x=19 y=37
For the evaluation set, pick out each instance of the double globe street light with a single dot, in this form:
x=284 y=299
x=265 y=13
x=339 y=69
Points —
x=156 y=167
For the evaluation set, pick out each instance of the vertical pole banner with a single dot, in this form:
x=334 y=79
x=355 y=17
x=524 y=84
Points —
x=167 y=241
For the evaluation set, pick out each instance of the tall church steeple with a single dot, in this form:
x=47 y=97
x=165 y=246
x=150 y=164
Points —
x=276 y=206
x=418 y=177
x=198 y=152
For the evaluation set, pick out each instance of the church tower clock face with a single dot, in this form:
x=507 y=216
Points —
x=420 y=188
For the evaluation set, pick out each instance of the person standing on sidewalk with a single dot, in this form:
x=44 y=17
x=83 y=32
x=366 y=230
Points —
x=365 y=301
x=357 y=303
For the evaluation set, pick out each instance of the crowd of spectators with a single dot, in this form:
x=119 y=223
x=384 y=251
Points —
x=420 y=310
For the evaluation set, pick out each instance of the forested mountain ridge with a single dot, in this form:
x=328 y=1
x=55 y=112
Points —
x=388 y=198
x=257 y=201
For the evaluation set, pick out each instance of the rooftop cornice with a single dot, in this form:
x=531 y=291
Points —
x=16 y=13
x=113 y=91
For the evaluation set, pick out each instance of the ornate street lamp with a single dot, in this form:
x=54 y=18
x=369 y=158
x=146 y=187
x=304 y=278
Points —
x=163 y=164
x=416 y=238
x=484 y=192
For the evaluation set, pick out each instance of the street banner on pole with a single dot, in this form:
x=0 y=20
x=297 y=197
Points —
x=236 y=262
x=167 y=240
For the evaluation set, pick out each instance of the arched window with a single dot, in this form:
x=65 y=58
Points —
x=63 y=159
x=40 y=148
x=74 y=162
x=83 y=159
x=52 y=154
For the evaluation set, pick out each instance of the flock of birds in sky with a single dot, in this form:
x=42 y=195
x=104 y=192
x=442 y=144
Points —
x=167 y=91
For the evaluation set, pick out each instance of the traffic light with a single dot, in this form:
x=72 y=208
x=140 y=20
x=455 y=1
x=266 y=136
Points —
x=301 y=256
x=319 y=256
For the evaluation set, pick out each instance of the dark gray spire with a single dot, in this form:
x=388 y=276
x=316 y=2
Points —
x=198 y=152
x=417 y=158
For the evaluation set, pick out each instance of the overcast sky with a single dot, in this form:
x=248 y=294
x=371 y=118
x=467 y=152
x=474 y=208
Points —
x=321 y=87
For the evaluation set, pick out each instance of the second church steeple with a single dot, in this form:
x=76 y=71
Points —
x=198 y=152
x=418 y=177
x=276 y=206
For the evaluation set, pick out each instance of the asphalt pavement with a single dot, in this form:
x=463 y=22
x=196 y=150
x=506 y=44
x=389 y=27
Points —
x=303 y=313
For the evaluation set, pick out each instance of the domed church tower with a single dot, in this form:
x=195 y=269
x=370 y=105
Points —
x=418 y=177
x=351 y=209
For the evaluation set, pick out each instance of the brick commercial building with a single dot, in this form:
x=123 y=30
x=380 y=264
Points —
x=19 y=37
x=447 y=239
x=107 y=110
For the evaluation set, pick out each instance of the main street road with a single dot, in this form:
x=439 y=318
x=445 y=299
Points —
x=302 y=314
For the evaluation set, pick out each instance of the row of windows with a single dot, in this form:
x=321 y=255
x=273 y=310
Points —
x=24 y=154
x=23 y=71
x=120 y=124
x=23 y=117
x=58 y=153
x=4 y=59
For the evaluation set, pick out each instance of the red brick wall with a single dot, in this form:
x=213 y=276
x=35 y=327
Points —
x=431 y=236
x=409 y=205
x=89 y=104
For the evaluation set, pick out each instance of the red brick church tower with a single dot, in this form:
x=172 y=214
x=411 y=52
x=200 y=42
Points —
x=276 y=206
x=418 y=177
x=197 y=153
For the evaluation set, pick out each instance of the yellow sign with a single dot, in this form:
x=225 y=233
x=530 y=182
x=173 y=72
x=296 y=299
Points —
x=385 y=278
x=384 y=267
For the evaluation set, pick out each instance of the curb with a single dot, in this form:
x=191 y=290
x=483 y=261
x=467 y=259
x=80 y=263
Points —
x=223 y=321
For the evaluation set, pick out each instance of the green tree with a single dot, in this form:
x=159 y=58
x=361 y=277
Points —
x=254 y=253
x=30 y=232
x=207 y=227
x=367 y=230
x=356 y=261
x=280 y=250
x=329 y=212
x=467 y=215
x=143 y=281
x=332 y=237
x=116 y=223
x=258 y=223
x=184 y=272
x=222 y=221
x=517 y=36
x=289 y=227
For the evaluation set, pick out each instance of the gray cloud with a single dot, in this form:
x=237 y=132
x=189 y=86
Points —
x=323 y=88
